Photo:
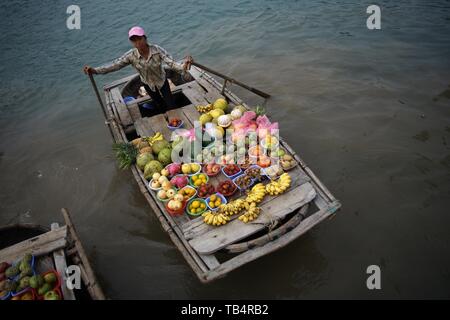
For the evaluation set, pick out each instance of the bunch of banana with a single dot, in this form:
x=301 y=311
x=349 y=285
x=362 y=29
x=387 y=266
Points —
x=233 y=207
x=215 y=219
x=280 y=186
x=151 y=140
x=256 y=194
x=205 y=109
x=252 y=212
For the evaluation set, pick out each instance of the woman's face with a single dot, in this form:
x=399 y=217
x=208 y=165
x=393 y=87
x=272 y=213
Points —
x=139 y=42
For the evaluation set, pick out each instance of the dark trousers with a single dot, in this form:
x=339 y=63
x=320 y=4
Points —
x=162 y=97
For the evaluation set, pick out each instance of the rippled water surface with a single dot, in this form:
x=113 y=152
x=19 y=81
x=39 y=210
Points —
x=367 y=110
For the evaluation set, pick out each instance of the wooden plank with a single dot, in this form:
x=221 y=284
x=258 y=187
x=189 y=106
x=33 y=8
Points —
x=211 y=261
x=39 y=245
x=195 y=93
x=119 y=82
x=191 y=113
x=61 y=267
x=124 y=114
x=320 y=202
x=235 y=230
x=158 y=123
x=135 y=113
x=274 y=245
x=212 y=93
x=142 y=128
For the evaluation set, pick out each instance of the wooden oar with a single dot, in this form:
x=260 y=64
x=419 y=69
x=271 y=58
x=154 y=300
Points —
x=108 y=119
x=94 y=85
x=227 y=78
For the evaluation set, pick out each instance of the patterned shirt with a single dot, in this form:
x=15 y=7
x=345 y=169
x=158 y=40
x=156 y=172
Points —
x=151 y=70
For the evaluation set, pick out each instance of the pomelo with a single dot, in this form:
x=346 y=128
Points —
x=143 y=159
x=152 y=167
x=220 y=104
x=165 y=156
x=159 y=145
x=204 y=118
x=215 y=113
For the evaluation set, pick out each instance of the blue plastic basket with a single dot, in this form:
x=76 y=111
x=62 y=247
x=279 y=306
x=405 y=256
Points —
x=128 y=99
x=6 y=296
x=243 y=189
x=16 y=278
x=17 y=262
x=262 y=172
x=175 y=128
x=221 y=196
x=232 y=176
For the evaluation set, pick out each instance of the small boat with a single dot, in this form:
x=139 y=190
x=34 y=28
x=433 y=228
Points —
x=212 y=252
x=53 y=248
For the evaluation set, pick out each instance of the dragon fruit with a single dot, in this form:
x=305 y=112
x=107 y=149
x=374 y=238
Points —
x=174 y=169
x=179 y=181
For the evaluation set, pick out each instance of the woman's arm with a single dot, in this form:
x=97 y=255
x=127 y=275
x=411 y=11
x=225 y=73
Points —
x=117 y=64
x=167 y=58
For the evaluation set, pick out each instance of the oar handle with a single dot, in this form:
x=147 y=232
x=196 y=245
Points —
x=227 y=78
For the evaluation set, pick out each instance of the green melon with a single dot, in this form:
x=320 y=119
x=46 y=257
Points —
x=143 y=159
x=152 y=167
x=165 y=156
x=159 y=145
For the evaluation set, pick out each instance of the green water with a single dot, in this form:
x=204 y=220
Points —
x=367 y=110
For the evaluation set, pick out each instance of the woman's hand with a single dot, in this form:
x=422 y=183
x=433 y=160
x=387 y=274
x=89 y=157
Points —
x=187 y=63
x=89 y=70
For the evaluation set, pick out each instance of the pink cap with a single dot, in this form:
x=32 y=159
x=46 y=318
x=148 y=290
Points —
x=136 y=31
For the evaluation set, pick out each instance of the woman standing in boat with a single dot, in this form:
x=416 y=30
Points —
x=148 y=60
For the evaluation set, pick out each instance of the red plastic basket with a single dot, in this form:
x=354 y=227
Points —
x=56 y=287
x=57 y=290
x=176 y=212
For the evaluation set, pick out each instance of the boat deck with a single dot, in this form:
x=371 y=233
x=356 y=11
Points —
x=283 y=219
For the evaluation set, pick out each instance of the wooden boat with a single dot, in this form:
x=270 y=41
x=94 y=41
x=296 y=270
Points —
x=54 y=248
x=212 y=252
